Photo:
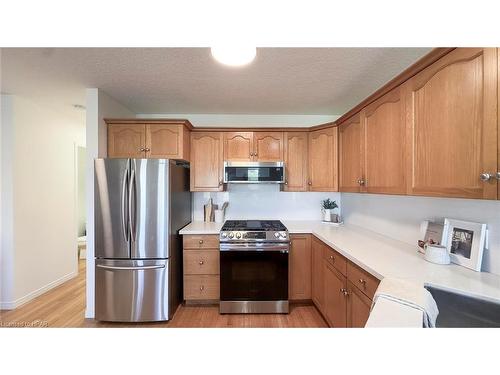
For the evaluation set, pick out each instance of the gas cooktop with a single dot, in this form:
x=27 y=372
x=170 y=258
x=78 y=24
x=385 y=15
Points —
x=253 y=230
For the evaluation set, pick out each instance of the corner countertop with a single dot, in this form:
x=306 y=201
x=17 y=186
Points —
x=386 y=257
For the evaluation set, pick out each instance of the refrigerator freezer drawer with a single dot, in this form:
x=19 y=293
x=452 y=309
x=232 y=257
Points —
x=131 y=290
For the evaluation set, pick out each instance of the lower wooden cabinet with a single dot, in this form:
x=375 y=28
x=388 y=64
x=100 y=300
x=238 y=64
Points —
x=201 y=268
x=334 y=308
x=341 y=290
x=358 y=307
x=299 y=280
x=318 y=290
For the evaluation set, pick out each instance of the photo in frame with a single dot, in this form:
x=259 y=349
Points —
x=431 y=233
x=465 y=242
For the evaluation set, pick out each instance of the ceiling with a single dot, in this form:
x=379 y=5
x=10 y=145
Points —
x=306 y=81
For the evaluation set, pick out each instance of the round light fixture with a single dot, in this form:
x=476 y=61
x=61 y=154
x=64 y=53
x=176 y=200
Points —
x=234 y=55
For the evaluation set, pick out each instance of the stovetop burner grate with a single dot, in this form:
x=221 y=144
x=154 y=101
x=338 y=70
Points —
x=253 y=225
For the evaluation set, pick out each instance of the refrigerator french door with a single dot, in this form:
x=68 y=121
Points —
x=140 y=205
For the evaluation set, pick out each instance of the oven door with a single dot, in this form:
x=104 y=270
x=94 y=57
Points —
x=250 y=274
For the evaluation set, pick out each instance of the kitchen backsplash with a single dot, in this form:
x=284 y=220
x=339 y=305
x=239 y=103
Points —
x=399 y=217
x=265 y=202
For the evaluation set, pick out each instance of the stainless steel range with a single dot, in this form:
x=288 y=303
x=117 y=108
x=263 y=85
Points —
x=254 y=267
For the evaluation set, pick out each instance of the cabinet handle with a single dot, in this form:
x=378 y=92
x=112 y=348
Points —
x=201 y=263
x=286 y=182
x=361 y=182
x=344 y=291
x=255 y=154
x=497 y=176
x=142 y=149
x=362 y=281
x=251 y=154
x=200 y=242
x=147 y=149
x=332 y=258
x=487 y=176
x=309 y=183
x=202 y=288
x=220 y=183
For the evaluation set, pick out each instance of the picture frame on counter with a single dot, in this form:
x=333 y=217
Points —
x=431 y=233
x=465 y=242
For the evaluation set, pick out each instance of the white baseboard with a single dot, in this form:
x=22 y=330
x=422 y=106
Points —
x=11 y=305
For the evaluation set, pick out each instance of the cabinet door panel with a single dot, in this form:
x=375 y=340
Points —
x=335 y=300
x=296 y=161
x=385 y=144
x=358 y=307
x=300 y=267
x=351 y=154
x=268 y=146
x=238 y=146
x=206 y=161
x=452 y=125
x=164 y=141
x=318 y=291
x=323 y=160
x=126 y=141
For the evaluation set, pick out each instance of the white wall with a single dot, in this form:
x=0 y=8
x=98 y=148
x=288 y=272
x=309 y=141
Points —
x=264 y=202
x=225 y=120
x=399 y=217
x=43 y=212
x=99 y=106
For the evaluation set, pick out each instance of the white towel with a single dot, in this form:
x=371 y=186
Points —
x=409 y=294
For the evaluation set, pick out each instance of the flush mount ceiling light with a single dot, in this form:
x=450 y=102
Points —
x=234 y=55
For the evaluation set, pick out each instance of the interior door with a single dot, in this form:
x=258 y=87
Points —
x=149 y=203
x=111 y=178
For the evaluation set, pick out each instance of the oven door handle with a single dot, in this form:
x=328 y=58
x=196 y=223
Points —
x=244 y=247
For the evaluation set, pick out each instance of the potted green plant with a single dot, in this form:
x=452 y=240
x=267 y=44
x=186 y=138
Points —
x=327 y=205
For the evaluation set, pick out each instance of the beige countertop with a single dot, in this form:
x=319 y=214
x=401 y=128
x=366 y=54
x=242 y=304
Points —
x=385 y=257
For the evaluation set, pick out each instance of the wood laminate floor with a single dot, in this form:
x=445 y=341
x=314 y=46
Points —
x=64 y=306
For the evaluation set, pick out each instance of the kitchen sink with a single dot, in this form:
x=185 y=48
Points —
x=459 y=311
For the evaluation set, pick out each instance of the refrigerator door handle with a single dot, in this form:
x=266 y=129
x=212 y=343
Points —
x=131 y=268
x=131 y=205
x=125 y=206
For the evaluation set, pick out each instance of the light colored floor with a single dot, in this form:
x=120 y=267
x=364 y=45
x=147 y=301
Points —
x=64 y=306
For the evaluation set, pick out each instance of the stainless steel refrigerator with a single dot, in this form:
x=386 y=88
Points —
x=140 y=206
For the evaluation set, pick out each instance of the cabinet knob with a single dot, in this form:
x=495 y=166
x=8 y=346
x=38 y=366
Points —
x=361 y=182
x=310 y=183
x=251 y=154
x=202 y=288
x=332 y=258
x=487 y=176
x=344 y=291
x=221 y=183
x=200 y=242
x=201 y=263
x=147 y=149
x=362 y=281
x=255 y=154
x=142 y=149
x=497 y=175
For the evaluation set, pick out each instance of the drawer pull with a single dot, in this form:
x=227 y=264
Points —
x=344 y=291
x=201 y=263
x=202 y=288
x=362 y=281
x=200 y=242
x=332 y=258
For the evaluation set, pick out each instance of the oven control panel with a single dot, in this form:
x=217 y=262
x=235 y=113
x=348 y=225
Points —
x=253 y=236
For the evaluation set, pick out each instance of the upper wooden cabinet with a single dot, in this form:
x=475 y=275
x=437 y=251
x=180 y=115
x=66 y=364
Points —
x=206 y=161
x=452 y=125
x=300 y=267
x=384 y=144
x=351 y=155
x=253 y=146
x=323 y=160
x=126 y=141
x=295 y=161
x=166 y=139
x=238 y=146
x=268 y=146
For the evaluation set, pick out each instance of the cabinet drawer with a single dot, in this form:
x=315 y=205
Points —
x=335 y=259
x=201 y=262
x=201 y=287
x=201 y=241
x=361 y=279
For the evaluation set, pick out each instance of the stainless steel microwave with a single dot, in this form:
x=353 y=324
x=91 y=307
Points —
x=254 y=172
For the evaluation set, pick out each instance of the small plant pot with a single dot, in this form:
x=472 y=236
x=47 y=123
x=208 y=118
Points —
x=327 y=215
